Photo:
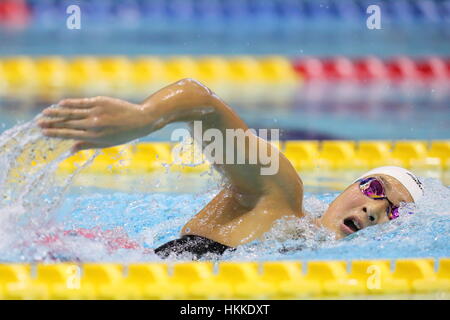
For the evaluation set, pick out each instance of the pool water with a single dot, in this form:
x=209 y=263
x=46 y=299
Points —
x=311 y=110
x=45 y=216
x=155 y=218
x=125 y=225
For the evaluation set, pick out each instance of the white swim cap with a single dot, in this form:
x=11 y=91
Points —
x=405 y=177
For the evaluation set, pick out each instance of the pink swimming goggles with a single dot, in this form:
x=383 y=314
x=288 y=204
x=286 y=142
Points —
x=374 y=189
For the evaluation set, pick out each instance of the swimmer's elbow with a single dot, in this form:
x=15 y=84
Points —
x=195 y=85
x=200 y=94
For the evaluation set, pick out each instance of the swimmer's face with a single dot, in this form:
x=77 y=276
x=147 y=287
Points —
x=352 y=211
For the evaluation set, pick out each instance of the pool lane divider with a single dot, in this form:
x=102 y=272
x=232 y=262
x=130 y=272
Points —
x=225 y=280
x=109 y=73
x=304 y=155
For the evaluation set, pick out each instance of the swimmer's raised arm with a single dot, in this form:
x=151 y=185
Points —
x=100 y=122
x=103 y=122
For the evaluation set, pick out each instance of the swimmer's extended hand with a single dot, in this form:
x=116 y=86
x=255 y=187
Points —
x=249 y=204
x=102 y=122
x=98 y=122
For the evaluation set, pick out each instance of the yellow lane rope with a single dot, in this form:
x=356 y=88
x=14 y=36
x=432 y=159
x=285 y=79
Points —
x=304 y=155
x=226 y=280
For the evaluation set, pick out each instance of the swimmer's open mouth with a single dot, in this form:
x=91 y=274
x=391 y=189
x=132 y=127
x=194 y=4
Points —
x=351 y=225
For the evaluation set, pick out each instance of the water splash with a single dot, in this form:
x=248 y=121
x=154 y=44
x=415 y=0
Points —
x=41 y=221
x=32 y=198
x=30 y=190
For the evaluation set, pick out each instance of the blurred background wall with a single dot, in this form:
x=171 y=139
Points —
x=287 y=27
x=312 y=68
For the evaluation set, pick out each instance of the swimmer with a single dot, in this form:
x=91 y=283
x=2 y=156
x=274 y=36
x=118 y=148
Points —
x=249 y=203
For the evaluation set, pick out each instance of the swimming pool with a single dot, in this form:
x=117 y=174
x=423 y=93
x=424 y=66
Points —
x=122 y=205
x=104 y=215
x=153 y=219
x=113 y=219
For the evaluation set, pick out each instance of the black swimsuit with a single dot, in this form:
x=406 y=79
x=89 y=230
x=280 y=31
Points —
x=196 y=245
